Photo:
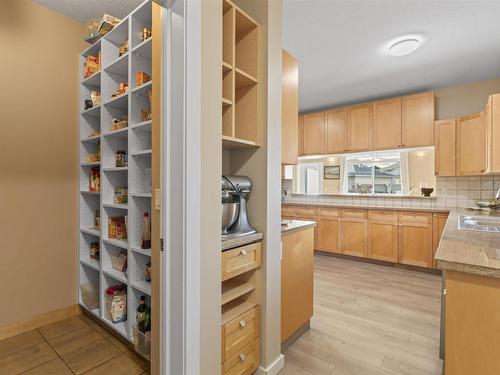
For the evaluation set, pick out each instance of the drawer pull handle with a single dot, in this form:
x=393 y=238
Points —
x=243 y=252
x=242 y=323
x=242 y=357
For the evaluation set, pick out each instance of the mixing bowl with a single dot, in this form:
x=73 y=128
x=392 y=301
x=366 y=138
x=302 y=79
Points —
x=229 y=215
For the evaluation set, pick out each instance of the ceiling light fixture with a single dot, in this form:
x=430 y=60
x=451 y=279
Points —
x=404 y=46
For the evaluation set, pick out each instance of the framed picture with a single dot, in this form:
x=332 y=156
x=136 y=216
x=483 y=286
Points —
x=331 y=172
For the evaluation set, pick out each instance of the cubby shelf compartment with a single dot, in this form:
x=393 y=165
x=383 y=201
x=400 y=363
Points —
x=117 y=275
x=234 y=143
x=146 y=252
x=116 y=205
x=115 y=242
x=90 y=192
x=144 y=125
x=142 y=286
x=118 y=65
x=142 y=153
x=120 y=133
x=93 y=164
x=94 y=111
x=91 y=231
x=139 y=89
x=141 y=195
x=94 y=80
x=116 y=169
x=94 y=138
x=226 y=102
x=243 y=79
x=144 y=49
x=120 y=101
x=92 y=263
x=234 y=288
x=234 y=309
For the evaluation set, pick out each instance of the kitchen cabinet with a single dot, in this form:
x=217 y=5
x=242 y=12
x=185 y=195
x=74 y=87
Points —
x=471 y=145
x=354 y=232
x=314 y=133
x=415 y=239
x=387 y=124
x=297 y=268
x=417 y=120
x=492 y=118
x=329 y=231
x=289 y=109
x=383 y=235
x=308 y=213
x=301 y=135
x=288 y=212
x=336 y=131
x=445 y=151
x=438 y=224
x=359 y=127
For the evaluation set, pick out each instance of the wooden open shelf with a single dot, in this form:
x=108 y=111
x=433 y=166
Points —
x=234 y=288
x=239 y=78
x=234 y=309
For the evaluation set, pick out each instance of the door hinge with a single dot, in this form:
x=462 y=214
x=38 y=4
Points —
x=161 y=244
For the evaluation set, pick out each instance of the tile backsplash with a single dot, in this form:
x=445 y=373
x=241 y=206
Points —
x=450 y=192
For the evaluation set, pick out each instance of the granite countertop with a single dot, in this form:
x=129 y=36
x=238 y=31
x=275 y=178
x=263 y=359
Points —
x=240 y=241
x=296 y=225
x=365 y=207
x=469 y=251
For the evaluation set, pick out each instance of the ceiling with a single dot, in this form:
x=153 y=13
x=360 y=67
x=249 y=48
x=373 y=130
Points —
x=84 y=10
x=340 y=46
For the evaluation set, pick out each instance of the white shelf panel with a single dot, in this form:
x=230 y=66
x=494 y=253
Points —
x=117 y=65
x=93 y=49
x=94 y=164
x=115 y=205
x=91 y=231
x=92 y=263
x=144 y=49
x=120 y=133
x=94 y=80
x=142 y=286
x=142 y=153
x=118 y=243
x=94 y=312
x=90 y=192
x=121 y=327
x=120 y=101
x=145 y=125
x=117 y=275
x=94 y=138
x=139 y=90
x=141 y=195
x=116 y=169
x=146 y=252
x=94 y=111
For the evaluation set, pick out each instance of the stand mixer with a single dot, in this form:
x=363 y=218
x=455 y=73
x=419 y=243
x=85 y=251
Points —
x=235 y=191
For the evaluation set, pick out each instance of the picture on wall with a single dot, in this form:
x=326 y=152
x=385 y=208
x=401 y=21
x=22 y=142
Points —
x=331 y=172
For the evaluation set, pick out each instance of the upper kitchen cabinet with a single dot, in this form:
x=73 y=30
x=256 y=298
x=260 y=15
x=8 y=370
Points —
x=492 y=115
x=471 y=145
x=418 y=120
x=336 y=131
x=314 y=133
x=239 y=78
x=289 y=109
x=359 y=127
x=301 y=135
x=445 y=155
x=387 y=124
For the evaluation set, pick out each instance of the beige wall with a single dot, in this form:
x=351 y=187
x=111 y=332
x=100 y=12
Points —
x=38 y=163
x=461 y=100
x=421 y=167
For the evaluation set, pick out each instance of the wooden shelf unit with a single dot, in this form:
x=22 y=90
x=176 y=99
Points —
x=240 y=47
x=135 y=140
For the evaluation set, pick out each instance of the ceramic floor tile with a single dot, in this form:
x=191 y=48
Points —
x=137 y=359
x=62 y=327
x=16 y=343
x=54 y=367
x=90 y=356
x=27 y=359
x=74 y=340
x=120 y=365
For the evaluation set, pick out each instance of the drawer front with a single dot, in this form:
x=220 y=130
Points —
x=415 y=217
x=245 y=362
x=288 y=211
x=328 y=212
x=383 y=215
x=354 y=214
x=239 y=332
x=241 y=260
x=306 y=212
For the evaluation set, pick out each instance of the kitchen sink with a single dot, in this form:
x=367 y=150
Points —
x=479 y=223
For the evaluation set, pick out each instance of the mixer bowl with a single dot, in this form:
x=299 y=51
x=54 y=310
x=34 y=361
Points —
x=229 y=215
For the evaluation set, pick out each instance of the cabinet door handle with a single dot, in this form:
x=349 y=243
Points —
x=242 y=323
x=243 y=252
x=242 y=357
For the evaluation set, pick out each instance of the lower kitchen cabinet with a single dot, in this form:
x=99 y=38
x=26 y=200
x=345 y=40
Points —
x=415 y=239
x=354 y=232
x=245 y=362
x=329 y=230
x=383 y=235
x=438 y=224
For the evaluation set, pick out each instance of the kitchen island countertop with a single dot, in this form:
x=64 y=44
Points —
x=295 y=225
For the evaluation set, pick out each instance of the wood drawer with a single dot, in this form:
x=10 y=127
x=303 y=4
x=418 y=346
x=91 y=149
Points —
x=245 y=362
x=239 y=332
x=240 y=260
x=328 y=213
x=306 y=212
x=354 y=214
x=288 y=211
x=383 y=215
x=415 y=217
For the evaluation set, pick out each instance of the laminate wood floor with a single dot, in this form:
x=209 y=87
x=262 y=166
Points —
x=72 y=346
x=369 y=320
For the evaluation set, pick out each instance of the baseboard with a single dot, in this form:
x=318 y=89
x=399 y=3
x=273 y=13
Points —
x=274 y=368
x=37 y=321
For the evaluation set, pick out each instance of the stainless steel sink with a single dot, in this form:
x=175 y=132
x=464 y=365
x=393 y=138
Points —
x=479 y=223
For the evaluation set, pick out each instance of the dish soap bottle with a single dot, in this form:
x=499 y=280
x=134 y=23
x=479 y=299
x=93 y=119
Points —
x=143 y=316
x=146 y=232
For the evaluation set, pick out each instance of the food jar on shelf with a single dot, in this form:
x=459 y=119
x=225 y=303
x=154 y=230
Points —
x=116 y=303
x=90 y=295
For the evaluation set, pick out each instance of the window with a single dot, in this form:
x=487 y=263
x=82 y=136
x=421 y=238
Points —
x=374 y=175
x=309 y=179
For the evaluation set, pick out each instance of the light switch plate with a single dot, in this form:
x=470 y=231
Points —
x=157 y=199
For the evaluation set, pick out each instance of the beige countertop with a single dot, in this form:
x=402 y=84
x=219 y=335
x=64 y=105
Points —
x=296 y=225
x=365 y=207
x=469 y=251
x=240 y=241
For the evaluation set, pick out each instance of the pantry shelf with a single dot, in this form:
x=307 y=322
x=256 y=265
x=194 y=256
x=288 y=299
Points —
x=116 y=169
x=118 y=243
x=145 y=125
x=93 y=138
x=142 y=153
x=94 y=80
x=116 y=205
x=117 y=275
x=146 y=252
x=144 y=49
x=141 y=195
x=92 y=263
x=94 y=111
x=91 y=231
x=142 y=286
x=120 y=101
x=120 y=133
x=139 y=89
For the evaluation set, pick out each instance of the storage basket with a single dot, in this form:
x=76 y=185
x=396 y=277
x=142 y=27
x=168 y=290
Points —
x=119 y=261
x=109 y=304
x=90 y=295
x=142 y=341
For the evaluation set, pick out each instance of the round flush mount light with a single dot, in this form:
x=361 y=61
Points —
x=404 y=46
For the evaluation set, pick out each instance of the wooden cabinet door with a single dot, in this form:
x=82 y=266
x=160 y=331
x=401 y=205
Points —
x=329 y=234
x=418 y=120
x=471 y=145
x=445 y=152
x=438 y=224
x=387 y=124
x=308 y=213
x=354 y=237
x=493 y=134
x=336 y=131
x=383 y=235
x=289 y=109
x=359 y=127
x=415 y=243
x=301 y=135
x=314 y=133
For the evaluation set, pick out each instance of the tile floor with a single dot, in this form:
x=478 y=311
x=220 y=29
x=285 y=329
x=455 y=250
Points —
x=72 y=346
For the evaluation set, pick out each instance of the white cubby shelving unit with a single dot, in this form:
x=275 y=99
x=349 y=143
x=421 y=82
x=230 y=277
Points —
x=135 y=140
